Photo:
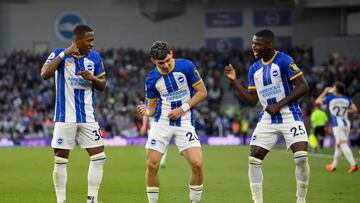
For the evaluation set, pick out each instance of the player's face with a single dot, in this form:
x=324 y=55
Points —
x=259 y=46
x=85 y=43
x=165 y=64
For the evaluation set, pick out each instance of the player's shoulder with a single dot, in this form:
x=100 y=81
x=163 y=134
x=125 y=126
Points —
x=284 y=58
x=93 y=54
x=153 y=76
x=58 y=50
x=255 y=66
x=183 y=64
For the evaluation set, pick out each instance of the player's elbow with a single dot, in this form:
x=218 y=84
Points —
x=44 y=76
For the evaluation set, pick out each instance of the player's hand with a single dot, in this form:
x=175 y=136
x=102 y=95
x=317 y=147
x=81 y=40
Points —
x=175 y=113
x=72 y=49
x=229 y=72
x=329 y=90
x=272 y=109
x=141 y=109
x=87 y=75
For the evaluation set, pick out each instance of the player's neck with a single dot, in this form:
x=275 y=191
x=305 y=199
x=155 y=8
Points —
x=269 y=56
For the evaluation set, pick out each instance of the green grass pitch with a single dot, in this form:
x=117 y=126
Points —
x=26 y=177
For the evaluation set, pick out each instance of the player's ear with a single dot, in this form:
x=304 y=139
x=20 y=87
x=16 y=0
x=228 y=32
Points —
x=152 y=60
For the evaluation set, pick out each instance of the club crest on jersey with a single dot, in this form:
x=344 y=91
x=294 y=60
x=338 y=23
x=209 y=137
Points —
x=275 y=73
x=60 y=141
x=153 y=142
x=181 y=79
x=254 y=137
x=89 y=67
x=294 y=67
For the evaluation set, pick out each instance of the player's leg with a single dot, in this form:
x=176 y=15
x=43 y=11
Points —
x=91 y=139
x=337 y=155
x=263 y=139
x=342 y=134
x=189 y=145
x=63 y=141
x=194 y=157
x=163 y=159
x=297 y=139
x=156 y=145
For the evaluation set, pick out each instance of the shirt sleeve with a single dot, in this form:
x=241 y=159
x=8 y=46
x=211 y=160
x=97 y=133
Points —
x=192 y=74
x=251 y=81
x=99 y=68
x=291 y=69
x=150 y=89
x=327 y=99
x=53 y=55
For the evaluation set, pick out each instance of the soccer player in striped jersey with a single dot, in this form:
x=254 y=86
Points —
x=339 y=106
x=78 y=72
x=173 y=88
x=277 y=82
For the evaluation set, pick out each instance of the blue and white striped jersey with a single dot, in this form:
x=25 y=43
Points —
x=272 y=82
x=75 y=96
x=172 y=90
x=338 y=108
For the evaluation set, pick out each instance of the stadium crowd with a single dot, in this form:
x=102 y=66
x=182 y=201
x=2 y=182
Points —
x=26 y=101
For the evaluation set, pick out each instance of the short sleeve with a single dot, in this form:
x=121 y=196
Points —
x=99 y=67
x=251 y=81
x=290 y=68
x=192 y=74
x=328 y=99
x=150 y=89
x=53 y=55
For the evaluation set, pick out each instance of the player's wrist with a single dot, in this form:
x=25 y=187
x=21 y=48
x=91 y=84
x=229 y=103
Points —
x=185 y=107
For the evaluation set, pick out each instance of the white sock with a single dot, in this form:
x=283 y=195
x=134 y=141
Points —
x=256 y=179
x=302 y=173
x=337 y=156
x=95 y=174
x=195 y=193
x=152 y=194
x=60 y=178
x=348 y=154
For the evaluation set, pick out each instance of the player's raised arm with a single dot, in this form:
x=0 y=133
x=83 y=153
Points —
x=249 y=96
x=51 y=64
x=301 y=88
x=319 y=100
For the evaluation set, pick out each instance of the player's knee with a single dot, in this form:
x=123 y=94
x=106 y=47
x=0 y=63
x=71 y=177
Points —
x=196 y=165
x=152 y=164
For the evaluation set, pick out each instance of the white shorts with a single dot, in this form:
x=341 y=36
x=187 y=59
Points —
x=341 y=133
x=89 y=135
x=160 y=136
x=266 y=135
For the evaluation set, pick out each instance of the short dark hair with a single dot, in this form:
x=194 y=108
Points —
x=340 y=87
x=81 y=30
x=159 y=50
x=267 y=34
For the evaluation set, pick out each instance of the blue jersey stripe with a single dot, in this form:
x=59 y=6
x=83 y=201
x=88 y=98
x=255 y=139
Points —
x=344 y=121
x=267 y=75
x=276 y=118
x=82 y=106
x=333 y=120
x=292 y=106
x=176 y=122
x=93 y=103
x=173 y=82
x=60 y=99
x=260 y=116
x=77 y=105
x=168 y=86
x=158 y=110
